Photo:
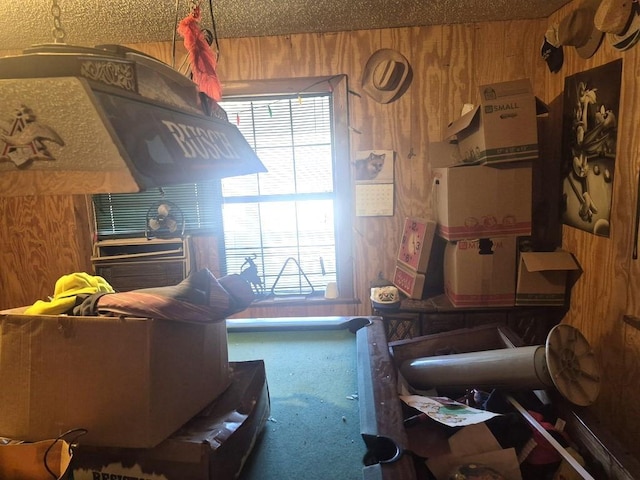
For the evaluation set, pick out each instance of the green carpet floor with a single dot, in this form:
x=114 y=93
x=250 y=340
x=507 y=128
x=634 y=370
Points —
x=313 y=432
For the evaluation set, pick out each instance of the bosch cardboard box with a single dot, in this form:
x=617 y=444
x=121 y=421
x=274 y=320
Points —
x=502 y=128
x=481 y=272
x=544 y=277
x=214 y=445
x=129 y=382
x=476 y=201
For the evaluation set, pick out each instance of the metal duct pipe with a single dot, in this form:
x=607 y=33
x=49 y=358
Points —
x=512 y=368
x=566 y=362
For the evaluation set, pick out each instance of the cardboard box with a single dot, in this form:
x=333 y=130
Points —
x=409 y=282
x=129 y=382
x=444 y=154
x=477 y=201
x=544 y=277
x=475 y=444
x=481 y=272
x=420 y=258
x=502 y=128
x=214 y=445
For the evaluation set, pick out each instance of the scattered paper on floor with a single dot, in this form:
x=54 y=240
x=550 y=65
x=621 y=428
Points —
x=447 y=411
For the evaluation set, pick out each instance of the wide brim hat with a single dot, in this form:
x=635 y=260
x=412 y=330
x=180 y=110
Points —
x=613 y=16
x=578 y=30
x=386 y=76
x=631 y=34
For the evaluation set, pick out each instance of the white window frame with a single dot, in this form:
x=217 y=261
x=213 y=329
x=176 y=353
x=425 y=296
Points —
x=337 y=86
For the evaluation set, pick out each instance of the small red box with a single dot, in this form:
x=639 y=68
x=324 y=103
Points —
x=409 y=282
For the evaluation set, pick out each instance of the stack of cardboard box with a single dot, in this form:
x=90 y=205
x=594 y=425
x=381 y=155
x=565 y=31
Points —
x=483 y=195
x=147 y=391
x=418 y=271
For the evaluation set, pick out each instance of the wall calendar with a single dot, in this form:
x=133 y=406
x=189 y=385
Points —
x=374 y=183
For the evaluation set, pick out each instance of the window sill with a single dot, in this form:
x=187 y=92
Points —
x=296 y=323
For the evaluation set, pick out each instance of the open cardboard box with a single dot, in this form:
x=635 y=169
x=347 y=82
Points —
x=503 y=128
x=544 y=278
x=130 y=382
x=475 y=445
x=213 y=445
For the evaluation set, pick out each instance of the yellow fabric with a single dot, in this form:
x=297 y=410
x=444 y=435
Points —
x=66 y=289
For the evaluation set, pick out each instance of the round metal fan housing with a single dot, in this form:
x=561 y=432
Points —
x=164 y=220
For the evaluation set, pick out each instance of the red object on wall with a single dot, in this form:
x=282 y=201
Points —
x=201 y=57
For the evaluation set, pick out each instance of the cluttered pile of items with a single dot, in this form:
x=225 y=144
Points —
x=479 y=247
x=144 y=374
x=476 y=401
x=485 y=381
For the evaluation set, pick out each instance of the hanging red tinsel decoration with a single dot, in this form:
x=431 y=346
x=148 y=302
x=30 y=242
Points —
x=201 y=57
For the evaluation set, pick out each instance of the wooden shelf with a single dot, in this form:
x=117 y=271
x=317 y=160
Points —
x=436 y=314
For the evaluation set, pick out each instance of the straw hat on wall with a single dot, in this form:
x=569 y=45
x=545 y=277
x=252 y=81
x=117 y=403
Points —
x=620 y=20
x=386 y=76
x=613 y=16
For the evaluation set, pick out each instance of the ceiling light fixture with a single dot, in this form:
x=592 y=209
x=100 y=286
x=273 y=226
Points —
x=108 y=119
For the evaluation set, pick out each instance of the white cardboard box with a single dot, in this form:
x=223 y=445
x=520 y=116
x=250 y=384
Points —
x=481 y=272
x=129 y=382
x=477 y=201
x=502 y=127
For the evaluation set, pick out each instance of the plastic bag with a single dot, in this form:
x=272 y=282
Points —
x=43 y=460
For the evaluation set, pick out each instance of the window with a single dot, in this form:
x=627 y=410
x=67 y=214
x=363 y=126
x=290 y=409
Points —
x=292 y=222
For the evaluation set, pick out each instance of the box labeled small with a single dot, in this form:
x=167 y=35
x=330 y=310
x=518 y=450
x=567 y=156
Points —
x=502 y=128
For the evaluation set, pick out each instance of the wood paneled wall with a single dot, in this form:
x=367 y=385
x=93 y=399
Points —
x=43 y=238
x=609 y=287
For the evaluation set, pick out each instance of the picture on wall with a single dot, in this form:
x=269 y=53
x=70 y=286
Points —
x=590 y=127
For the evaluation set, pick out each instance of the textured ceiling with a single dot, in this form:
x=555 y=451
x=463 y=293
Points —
x=90 y=22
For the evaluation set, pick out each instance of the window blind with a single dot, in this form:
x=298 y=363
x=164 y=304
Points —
x=124 y=215
x=283 y=220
